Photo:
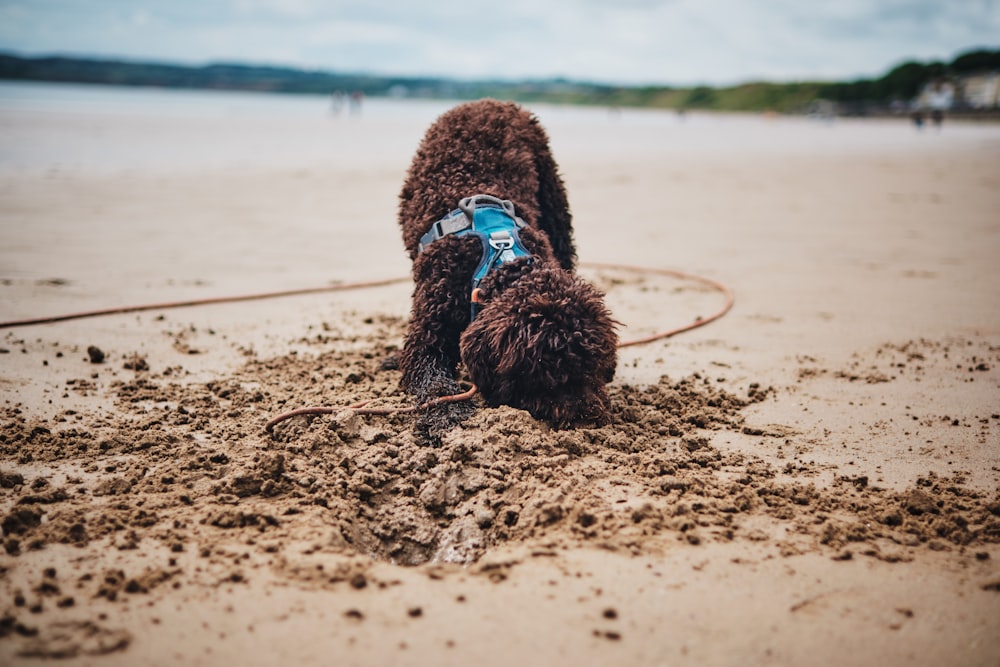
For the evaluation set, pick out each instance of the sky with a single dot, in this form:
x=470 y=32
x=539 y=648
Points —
x=627 y=42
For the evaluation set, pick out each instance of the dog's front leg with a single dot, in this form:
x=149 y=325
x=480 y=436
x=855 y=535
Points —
x=440 y=313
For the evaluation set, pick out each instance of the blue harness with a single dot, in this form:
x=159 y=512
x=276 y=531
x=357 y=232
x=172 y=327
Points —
x=494 y=222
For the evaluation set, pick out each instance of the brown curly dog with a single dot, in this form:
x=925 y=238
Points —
x=485 y=220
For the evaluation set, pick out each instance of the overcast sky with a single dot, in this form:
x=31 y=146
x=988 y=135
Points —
x=612 y=41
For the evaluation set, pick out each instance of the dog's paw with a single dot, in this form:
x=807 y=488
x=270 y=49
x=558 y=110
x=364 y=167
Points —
x=435 y=419
x=435 y=422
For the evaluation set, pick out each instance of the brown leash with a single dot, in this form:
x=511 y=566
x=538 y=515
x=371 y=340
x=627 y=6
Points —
x=200 y=302
x=361 y=408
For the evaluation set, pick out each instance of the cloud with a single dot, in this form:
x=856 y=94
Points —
x=627 y=41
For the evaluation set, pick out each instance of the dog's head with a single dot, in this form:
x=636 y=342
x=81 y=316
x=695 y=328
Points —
x=544 y=343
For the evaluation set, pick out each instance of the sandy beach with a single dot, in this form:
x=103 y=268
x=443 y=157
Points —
x=813 y=479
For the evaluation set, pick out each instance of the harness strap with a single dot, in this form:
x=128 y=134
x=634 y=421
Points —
x=494 y=222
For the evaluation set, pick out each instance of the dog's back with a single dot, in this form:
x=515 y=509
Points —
x=493 y=148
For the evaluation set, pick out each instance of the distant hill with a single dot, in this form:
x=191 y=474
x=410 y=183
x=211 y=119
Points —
x=231 y=76
x=901 y=83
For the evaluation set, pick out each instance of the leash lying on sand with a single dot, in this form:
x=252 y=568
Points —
x=121 y=310
x=672 y=273
x=361 y=408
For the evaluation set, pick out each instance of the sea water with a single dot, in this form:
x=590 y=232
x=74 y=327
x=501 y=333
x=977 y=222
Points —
x=80 y=126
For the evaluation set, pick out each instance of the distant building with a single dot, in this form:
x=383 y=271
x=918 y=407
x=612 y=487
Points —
x=938 y=95
x=981 y=91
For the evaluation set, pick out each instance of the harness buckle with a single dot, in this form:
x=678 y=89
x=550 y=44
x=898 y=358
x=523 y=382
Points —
x=501 y=240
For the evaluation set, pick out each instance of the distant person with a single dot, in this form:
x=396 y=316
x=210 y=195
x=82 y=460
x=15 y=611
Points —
x=940 y=99
x=357 y=97
x=337 y=104
x=917 y=113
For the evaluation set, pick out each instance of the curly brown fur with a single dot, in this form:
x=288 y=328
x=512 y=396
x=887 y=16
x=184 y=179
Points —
x=543 y=341
x=546 y=345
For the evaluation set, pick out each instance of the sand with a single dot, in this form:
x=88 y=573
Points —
x=813 y=479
